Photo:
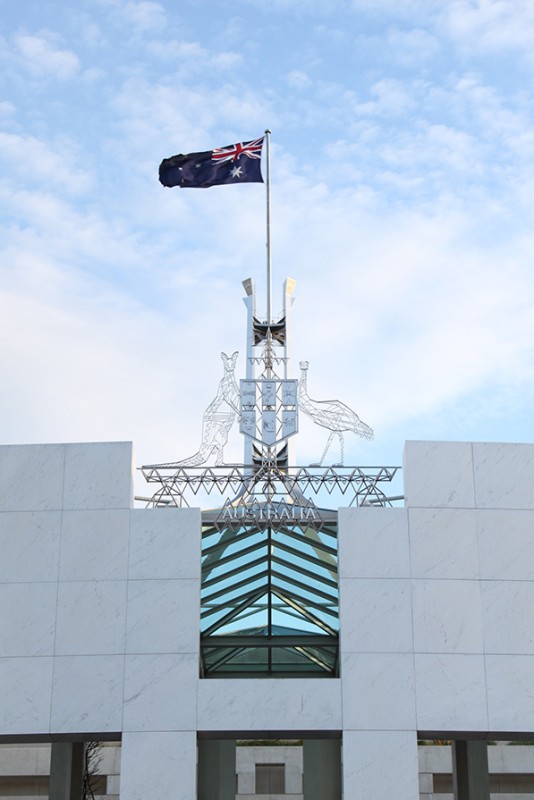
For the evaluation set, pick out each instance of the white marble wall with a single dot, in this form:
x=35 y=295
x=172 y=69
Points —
x=436 y=633
x=269 y=705
x=377 y=664
x=100 y=608
x=162 y=621
x=100 y=602
x=470 y=514
x=64 y=521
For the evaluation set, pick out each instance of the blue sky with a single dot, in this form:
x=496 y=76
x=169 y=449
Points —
x=402 y=203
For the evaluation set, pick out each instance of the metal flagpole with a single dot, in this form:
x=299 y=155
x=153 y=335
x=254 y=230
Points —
x=269 y=268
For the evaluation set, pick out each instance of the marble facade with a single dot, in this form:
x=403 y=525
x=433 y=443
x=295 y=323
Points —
x=99 y=635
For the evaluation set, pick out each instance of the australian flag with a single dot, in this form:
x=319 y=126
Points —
x=237 y=163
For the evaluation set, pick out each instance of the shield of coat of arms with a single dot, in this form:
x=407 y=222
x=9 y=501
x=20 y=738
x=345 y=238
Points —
x=269 y=409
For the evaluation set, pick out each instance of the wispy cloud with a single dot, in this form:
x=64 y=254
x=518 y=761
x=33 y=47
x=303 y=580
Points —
x=56 y=166
x=42 y=58
x=145 y=15
x=491 y=25
x=402 y=193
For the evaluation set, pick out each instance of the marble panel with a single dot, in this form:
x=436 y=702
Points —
x=28 y=618
x=506 y=544
x=510 y=693
x=438 y=474
x=29 y=543
x=87 y=694
x=232 y=704
x=163 y=616
x=447 y=616
x=443 y=543
x=91 y=618
x=450 y=692
x=504 y=475
x=165 y=543
x=159 y=766
x=94 y=545
x=98 y=475
x=508 y=619
x=31 y=477
x=26 y=690
x=379 y=765
x=375 y=616
x=378 y=691
x=160 y=692
x=373 y=543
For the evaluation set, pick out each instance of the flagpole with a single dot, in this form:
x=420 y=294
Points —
x=269 y=265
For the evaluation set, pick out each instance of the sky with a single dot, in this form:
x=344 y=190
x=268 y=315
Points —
x=402 y=190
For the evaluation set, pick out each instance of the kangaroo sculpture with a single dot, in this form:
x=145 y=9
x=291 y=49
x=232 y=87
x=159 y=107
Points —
x=216 y=424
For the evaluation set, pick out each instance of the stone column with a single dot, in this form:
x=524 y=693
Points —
x=322 y=769
x=216 y=769
x=470 y=770
x=66 y=770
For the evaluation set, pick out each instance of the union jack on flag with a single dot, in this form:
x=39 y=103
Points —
x=220 y=166
x=235 y=151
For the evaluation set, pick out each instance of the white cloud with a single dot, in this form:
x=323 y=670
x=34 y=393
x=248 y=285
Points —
x=159 y=118
x=226 y=60
x=28 y=156
x=310 y=7
x=491 y=25
x=392 y=97
x=413 y=46
x=401 y=204
x=298 y=79
x=42 y=58
x=396 y=311
x=404 y=6
x=145 y=15
x=192 y=56
x=439 y=148
x=7 y=109
x=497 y=118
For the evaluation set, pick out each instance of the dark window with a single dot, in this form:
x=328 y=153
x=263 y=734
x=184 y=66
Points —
x=270 y=779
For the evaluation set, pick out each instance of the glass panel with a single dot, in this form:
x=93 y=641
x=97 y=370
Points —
x=269 y=602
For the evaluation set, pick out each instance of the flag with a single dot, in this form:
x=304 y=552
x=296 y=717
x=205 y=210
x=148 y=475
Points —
x=237 y=163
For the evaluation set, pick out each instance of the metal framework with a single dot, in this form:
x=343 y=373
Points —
x=331 y=414
x=269 y=601
x=269 y=587
x=268 y=494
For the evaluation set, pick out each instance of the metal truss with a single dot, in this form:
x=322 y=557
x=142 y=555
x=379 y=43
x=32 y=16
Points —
x=267 y=495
